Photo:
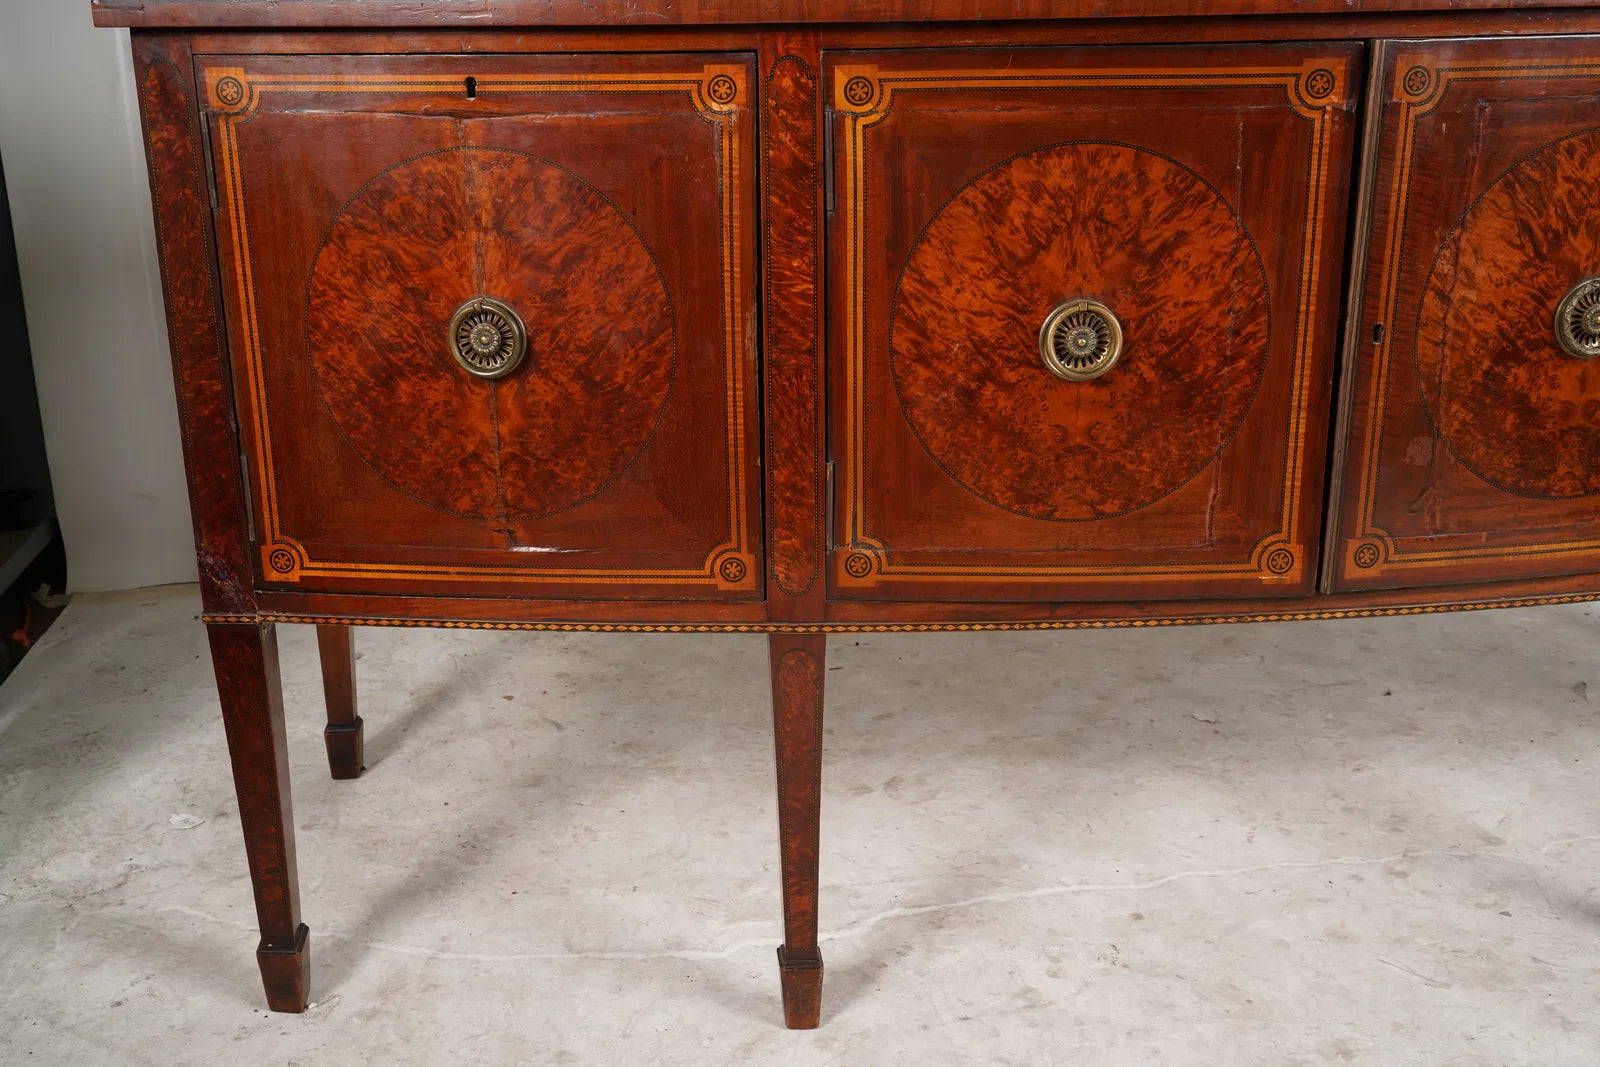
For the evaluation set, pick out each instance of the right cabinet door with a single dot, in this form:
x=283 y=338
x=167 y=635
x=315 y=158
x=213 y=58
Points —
x=1473 y=426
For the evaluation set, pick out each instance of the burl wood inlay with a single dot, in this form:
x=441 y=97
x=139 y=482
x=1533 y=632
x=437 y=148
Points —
x=1508 y=402
x=1135 y=230
x=423 y=237
x=794 y=356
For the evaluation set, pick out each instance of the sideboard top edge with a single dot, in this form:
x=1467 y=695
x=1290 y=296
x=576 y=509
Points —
x=508 y=14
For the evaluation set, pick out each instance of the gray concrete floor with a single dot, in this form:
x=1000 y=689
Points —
x=1365 y=841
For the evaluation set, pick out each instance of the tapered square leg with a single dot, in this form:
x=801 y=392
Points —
x=336 y=644
x=246 y=662
x=798 y=663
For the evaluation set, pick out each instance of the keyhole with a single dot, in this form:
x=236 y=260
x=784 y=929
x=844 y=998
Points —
x=472 y=88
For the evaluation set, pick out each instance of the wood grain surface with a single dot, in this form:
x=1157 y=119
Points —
x=1472 y=453
x=792 y=146
x=429 y=234
x=343 y=737
x=1142 y=234
x=609 y=201
x=446 y=14
x=1510 y=404
x=799 y=672
x=1193 y=467
x=171 y=121
x=325 y=198
x=245 y=658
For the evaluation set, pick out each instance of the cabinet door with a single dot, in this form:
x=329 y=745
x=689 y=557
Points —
x=1474 y=432
x=489 y=320
x=1082 y=309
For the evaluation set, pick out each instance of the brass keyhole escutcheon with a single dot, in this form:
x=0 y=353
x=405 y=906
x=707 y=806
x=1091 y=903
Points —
x=1578 y=319
x=487 y=338
x=1080 y=340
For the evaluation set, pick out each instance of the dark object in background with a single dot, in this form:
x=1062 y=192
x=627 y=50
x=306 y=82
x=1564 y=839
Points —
x=23 y=468
x=30 y=546
x=25 y=614
x=20 y=509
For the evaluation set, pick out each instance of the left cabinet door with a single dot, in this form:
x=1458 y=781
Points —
x=490 y=320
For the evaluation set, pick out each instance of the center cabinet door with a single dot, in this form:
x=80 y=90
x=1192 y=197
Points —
x=490 y=320
x=1083 y=309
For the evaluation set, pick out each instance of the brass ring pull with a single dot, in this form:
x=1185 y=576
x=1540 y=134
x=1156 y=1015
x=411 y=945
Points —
x=1578 y=319
x=1080 y=340
x=487 y=338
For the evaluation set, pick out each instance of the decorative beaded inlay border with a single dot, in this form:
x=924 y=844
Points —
x=905 y=627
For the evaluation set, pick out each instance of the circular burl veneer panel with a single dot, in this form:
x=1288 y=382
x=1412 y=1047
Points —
x=1134 y=230
x=428 y=234
x=1508 y=402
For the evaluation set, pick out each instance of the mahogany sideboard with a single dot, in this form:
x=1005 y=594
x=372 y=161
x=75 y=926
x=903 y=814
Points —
x=811 y=316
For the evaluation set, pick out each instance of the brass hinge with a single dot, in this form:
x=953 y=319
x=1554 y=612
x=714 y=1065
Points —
x=206 y=165
x=827 y=160
x=827 y=504
x=248 y=497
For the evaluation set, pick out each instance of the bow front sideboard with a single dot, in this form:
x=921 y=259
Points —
x=799 y=317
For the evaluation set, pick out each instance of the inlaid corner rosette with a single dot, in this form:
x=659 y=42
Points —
x=282 y=560
x=862 y=96
x=857 y=89
x=1322 y=85
x=228 y=90
x=1280 y=560
x=724 y=89
x=721 y=93
x=1415 y=81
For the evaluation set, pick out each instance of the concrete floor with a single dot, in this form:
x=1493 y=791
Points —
x=1365 y=841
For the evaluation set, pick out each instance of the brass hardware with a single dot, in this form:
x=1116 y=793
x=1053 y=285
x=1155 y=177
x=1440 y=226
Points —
x=1080 y=340
x=487 y=338
x=1578 y=319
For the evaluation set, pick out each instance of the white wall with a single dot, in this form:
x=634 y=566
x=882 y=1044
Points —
x=74 y=161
